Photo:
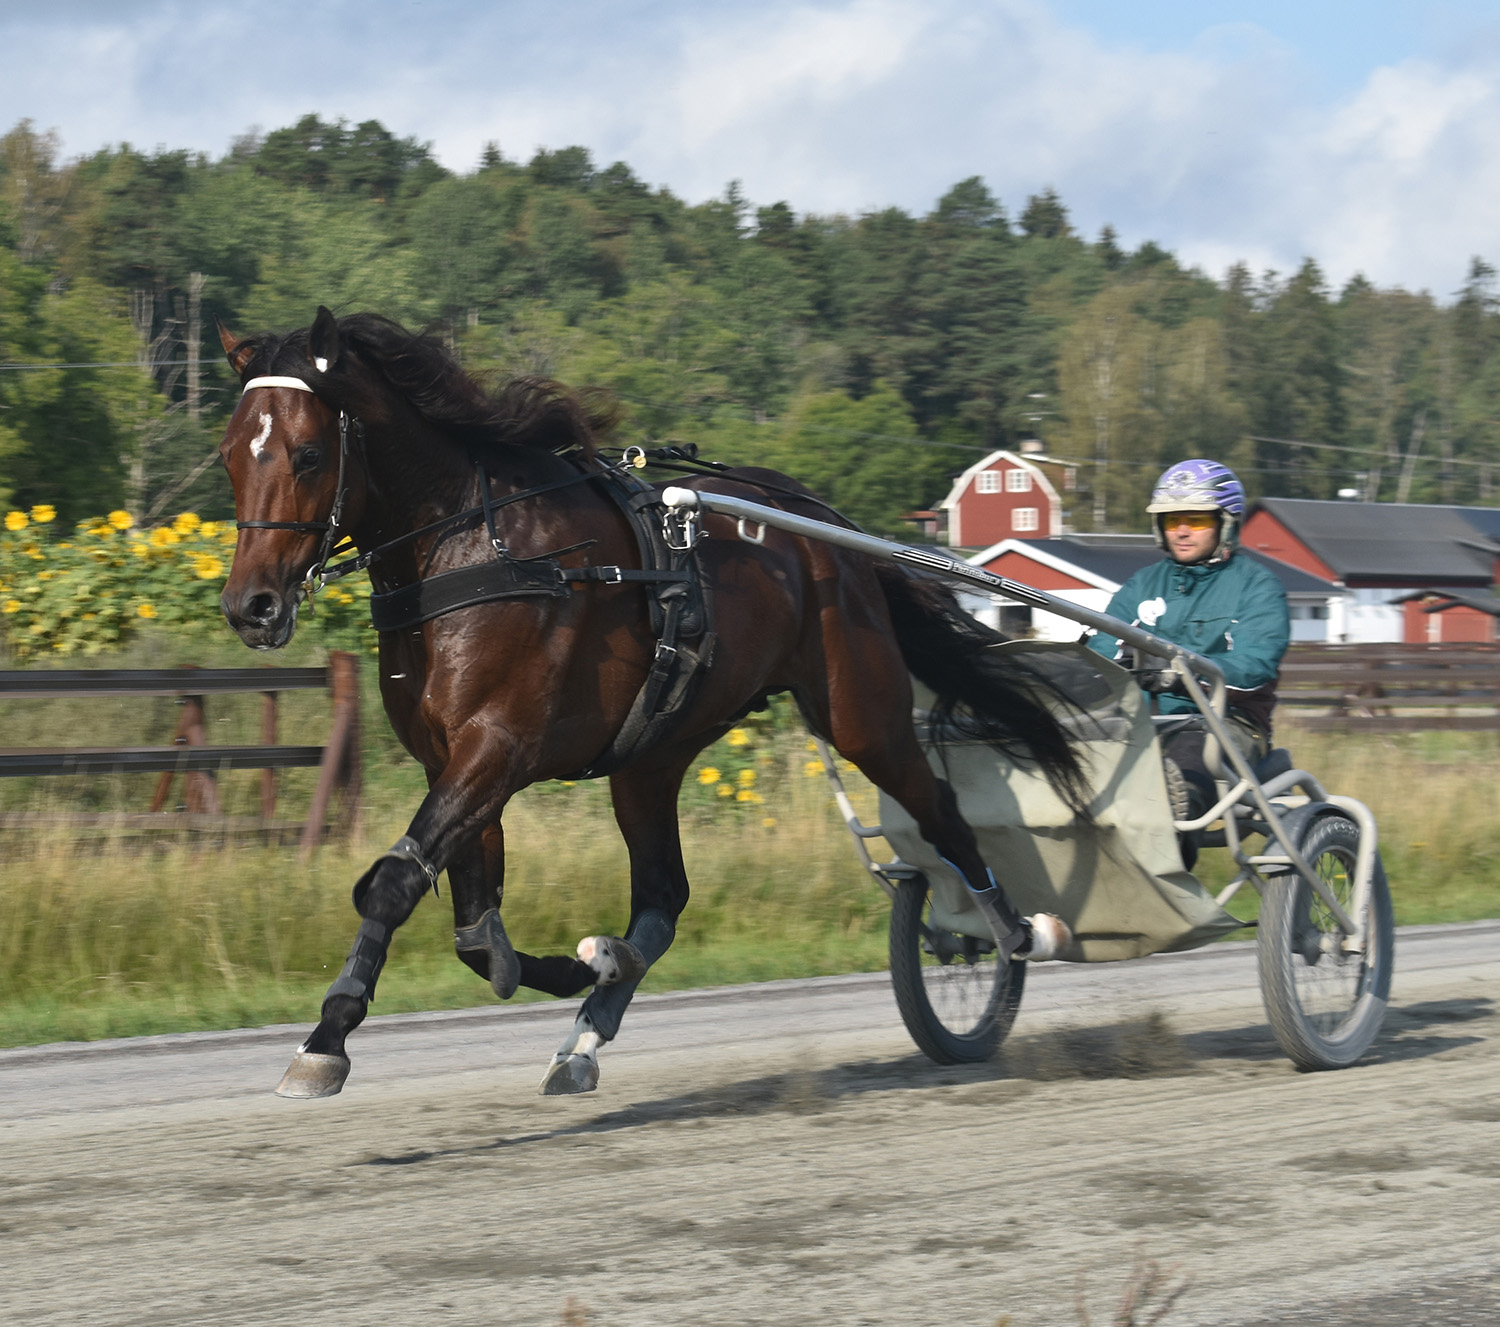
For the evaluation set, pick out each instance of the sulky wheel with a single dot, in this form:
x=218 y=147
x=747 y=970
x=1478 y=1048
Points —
x=956 y=998
x=1325 y=1004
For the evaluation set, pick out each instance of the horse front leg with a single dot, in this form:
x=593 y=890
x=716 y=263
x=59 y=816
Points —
x=645 y=804
x=465 y=797
x=476 y=877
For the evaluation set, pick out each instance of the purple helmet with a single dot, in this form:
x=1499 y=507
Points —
x=1200 y=485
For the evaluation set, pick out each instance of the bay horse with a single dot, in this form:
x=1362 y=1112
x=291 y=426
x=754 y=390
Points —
x=527 y=632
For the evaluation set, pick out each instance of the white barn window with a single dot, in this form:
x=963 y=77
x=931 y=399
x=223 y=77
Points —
x=1018 y=481
x=987 y=481
x=1024 y=518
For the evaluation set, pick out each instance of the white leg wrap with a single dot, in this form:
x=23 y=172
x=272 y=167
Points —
x=1049 y=937
x=582 y=1040
x=612 y=958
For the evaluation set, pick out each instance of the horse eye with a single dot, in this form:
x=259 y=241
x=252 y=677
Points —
x=306 y=459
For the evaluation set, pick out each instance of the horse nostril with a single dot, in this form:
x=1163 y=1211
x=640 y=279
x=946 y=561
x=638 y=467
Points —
x=263 y=609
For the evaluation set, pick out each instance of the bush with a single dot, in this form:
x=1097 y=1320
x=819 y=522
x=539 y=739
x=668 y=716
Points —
x=94 y=591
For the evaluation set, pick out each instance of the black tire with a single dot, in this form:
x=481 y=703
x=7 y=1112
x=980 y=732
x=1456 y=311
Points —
x=1325 y=1006
x=956 y=998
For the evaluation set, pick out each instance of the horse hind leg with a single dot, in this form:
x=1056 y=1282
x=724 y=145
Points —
x=645 y=803
x=890 y=758
x=575 y=1066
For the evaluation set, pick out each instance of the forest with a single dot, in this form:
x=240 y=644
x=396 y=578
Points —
x=873 y=356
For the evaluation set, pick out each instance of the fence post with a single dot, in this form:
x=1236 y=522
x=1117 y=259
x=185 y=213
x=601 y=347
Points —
x=341 y=755
x=200 y=793
x=268 y=738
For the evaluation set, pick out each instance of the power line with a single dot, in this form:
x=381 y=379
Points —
x=1367 y=453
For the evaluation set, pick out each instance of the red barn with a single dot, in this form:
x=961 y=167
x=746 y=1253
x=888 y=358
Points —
x=1004 y=496
x=1434 y=619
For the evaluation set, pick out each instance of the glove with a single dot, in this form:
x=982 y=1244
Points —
x=1159 y=681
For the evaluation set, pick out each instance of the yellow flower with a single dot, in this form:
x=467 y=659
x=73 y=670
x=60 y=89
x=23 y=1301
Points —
x=769 y=822
x=11 y=606
x=725 y=790
x=748 y=795
x=121 y=520
x=89 y=617
x=43 y=512
x=746 y=777
x=810 y=745
x=186 y=523
x=146 y=611
x=209 y=529
x=164 y=537
x=708 y=774
x=140 y=549
x=738 y=737
x=812 y=768
x=207 y=566
x=45 y=575
x=16 y=520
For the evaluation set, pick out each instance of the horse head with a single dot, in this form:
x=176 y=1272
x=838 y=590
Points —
x=298 y=481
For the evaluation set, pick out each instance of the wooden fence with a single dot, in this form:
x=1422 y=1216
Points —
x=1391 y=687
x=190 y=755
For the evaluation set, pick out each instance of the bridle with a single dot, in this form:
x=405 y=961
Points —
x=320 y=573
x=317 y=575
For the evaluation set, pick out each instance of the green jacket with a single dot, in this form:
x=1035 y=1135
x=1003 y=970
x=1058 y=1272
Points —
x=1233 y=612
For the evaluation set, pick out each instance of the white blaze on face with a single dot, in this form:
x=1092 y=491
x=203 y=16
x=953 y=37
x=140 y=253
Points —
x=258 y=442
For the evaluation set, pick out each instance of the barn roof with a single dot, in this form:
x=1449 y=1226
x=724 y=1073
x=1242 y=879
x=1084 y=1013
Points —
x=1413 y=543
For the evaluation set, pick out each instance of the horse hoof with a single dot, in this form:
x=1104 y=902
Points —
x=312 y=1075
x=614 y=959
x=1049 y=937
x=569 y=1075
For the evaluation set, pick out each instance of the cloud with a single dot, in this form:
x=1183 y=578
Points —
x=1221 y=149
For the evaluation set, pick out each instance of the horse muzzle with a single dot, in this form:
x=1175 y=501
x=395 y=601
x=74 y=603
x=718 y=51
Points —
x=264 y=619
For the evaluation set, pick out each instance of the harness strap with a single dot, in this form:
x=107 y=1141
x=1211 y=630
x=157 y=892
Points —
x=489 y=582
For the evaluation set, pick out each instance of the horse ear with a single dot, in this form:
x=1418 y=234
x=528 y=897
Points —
x=323 y=341
x=239 y=352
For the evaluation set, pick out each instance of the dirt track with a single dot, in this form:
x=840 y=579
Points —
x=806 y=1168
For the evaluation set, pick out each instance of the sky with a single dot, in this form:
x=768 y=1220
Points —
x=1365 y=135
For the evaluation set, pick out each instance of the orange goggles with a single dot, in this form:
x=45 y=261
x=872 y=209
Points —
x=1194 y=520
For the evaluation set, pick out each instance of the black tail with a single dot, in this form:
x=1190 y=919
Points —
x=991 y=697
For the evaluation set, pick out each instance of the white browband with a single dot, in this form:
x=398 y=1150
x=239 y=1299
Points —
x=295 y=383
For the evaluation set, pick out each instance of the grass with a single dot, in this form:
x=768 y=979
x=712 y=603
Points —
x=106 y=937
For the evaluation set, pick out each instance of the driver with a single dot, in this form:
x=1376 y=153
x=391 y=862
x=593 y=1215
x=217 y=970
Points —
x=1203 y=597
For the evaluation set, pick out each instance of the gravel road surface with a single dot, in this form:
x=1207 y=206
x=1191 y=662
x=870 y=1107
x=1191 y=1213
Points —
x=780 y=1154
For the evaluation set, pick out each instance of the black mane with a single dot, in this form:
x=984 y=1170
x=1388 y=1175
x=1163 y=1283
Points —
x=524 y=412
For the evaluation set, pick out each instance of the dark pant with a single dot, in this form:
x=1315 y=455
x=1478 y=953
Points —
x=1185 y=749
